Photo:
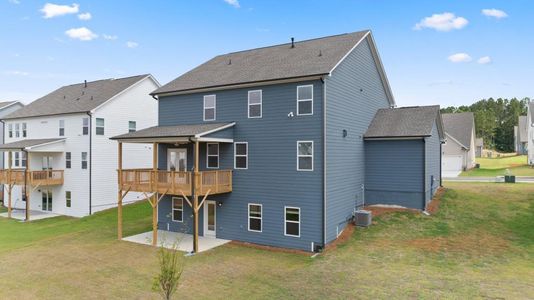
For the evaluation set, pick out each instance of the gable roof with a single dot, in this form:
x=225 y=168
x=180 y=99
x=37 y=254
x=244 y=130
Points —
x=405 y=122
x=315 y=57
x=523 y=129
x=174 y=131
x=459 y=126
x=76 y=98
x=7 y=103
x=28 y=143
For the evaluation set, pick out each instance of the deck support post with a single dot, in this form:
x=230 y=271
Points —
x=154 y=201
x=119 y=196
x=195 y=198
x=26 y=179
x=9 y=185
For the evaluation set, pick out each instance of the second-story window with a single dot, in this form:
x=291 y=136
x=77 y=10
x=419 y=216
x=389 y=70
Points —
x=132 y=126
x=305 y=156
x=304 y=100
x=68 y=160
x=99 y=126
x=24 y=131
x=212 y=155
x=84 y=160
x=17 y=163
x=61 y=127
x=255 y=104
x=210 y=104
x=85 y=126
x=241 y=155
x=10 y=126
x=17 y=130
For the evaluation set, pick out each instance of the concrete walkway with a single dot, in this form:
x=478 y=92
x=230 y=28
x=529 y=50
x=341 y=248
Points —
x=20 y=214
x=184 y=242
x=519 y=179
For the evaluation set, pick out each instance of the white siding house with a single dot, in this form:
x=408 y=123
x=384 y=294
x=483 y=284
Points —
x=67 y=133
x=6 y=108
x=530 y=125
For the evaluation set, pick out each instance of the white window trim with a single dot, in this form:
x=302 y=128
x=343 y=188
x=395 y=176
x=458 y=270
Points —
x=173 y=209
x=70 y=199
x=85 y=126
x=17 y=130
x=24 y=130
x=295 y=222
x=208 y=155
x=86 y=160
x=10 y=130
x=67 y=159
x=214 y=108
x=103 y=126
x=261 y=217
x=61 y=127
x=134 y=128
x=240 y=155
x=312 y=156
x=260 y=104
x=304 y=100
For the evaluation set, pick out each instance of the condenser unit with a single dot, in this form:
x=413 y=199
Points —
x=363 y=218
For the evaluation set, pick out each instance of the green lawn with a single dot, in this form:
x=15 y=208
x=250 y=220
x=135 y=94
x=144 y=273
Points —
x=491 y=167
x=480 y=244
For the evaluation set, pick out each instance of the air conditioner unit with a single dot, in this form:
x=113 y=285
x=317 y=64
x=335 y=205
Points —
x=363 y=218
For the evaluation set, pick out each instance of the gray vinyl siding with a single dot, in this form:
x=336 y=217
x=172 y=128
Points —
x=354 y=93
x=433 y=164
x=272 y=178
x=394 y=172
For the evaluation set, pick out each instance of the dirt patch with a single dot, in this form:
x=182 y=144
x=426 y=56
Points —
x=472 y=244
x=433 y=207
x=342 y=238
x=271 y=248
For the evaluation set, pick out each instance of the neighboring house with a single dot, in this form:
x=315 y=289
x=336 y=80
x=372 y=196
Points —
x=61 y=142
x=459 y=148
x=521 y=136
x=265 y=145
x=530 y=133
x=479 y=144
x=402 y=154
x=5 y=109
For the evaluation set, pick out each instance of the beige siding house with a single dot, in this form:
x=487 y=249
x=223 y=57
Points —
x=459 y=149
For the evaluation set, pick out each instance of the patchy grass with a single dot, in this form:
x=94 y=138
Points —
x=491 y=167
x=479 y=244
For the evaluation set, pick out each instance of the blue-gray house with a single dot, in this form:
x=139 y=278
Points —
x=266 y=145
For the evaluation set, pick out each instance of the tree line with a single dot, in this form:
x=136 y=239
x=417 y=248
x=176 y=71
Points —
x=495 y=120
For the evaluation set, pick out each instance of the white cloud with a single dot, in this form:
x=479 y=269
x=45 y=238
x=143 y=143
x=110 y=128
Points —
x=109 y=37
x=51 y=10
x=14 y=1
x=82 y=34
x=130 y=44
x=85 y=16
x=494 y=13
x=460 y=57
x=234 y=3
x=442 y=22
x=17 y=73
x=484 y=60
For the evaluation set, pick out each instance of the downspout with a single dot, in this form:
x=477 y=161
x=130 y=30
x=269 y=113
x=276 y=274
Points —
x=424 y=176
x=440 y=163
x=324 y=162
x=90 y=162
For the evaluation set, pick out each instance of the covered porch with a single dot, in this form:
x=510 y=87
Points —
x=171 y=174
x=30 y=152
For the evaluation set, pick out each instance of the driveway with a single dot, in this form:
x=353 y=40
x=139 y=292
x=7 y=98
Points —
x=450 y=174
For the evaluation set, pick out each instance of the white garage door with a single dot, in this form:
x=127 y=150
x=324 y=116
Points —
x=451 y=165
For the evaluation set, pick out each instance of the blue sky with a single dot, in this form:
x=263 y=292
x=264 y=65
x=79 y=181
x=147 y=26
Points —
x=428 y=61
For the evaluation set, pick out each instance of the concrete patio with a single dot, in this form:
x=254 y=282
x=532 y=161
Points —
x=184 y=242
x=20 y=214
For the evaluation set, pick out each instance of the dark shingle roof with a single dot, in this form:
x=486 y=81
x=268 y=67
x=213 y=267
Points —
x=523 y=129
x=307 y=58
x=404 y=122
x=22 y=144
x=460 y=127
x=76 y=98
x=172 y=131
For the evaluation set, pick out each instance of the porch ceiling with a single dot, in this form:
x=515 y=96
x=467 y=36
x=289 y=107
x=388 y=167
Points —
x=176 y=133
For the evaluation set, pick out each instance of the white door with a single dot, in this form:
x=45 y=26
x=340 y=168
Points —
x=210 y=218
x=177 y=160
x=46 y=200
x=451 y=165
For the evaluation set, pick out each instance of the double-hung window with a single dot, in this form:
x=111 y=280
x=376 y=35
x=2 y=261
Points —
x=132 y=126
x=85 y=126
x=305 y=100
x=292 y=221
x=61 y=127
x=177 y=209
x=68 y=160
x=17 y=130
x=210 y=104
x=84 y=160
x=240 y=155
x=255 y=104
x=212 y=153
x=17 y=155
x=305 y=156
x=254 y=217
x=99 y=126
x=24 y=131
x=23 y=159
x=68 y=198
x=10 y=126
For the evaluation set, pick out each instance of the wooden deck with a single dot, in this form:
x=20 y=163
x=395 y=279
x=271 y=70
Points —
x=175 y=183
x=34 y=178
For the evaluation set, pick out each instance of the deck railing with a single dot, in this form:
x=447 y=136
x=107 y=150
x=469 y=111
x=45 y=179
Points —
x=34 y=178
x=175 y=182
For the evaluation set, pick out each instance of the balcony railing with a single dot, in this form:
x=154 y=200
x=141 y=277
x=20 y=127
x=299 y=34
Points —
x=174 y=183
x=34 y=178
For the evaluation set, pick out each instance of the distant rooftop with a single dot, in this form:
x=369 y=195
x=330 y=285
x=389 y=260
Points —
x=460 y=126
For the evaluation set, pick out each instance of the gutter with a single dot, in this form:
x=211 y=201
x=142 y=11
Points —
x=90 y=162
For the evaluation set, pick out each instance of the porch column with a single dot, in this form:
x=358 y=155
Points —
x=195 y=199
x=155 y=196
x=9 y=186
x=26 y=179
x=119 y=195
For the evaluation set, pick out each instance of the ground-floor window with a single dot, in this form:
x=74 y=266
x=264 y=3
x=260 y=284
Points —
x=254 y=217
x=177 y=209
x=292 y=221
x=68 y=198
